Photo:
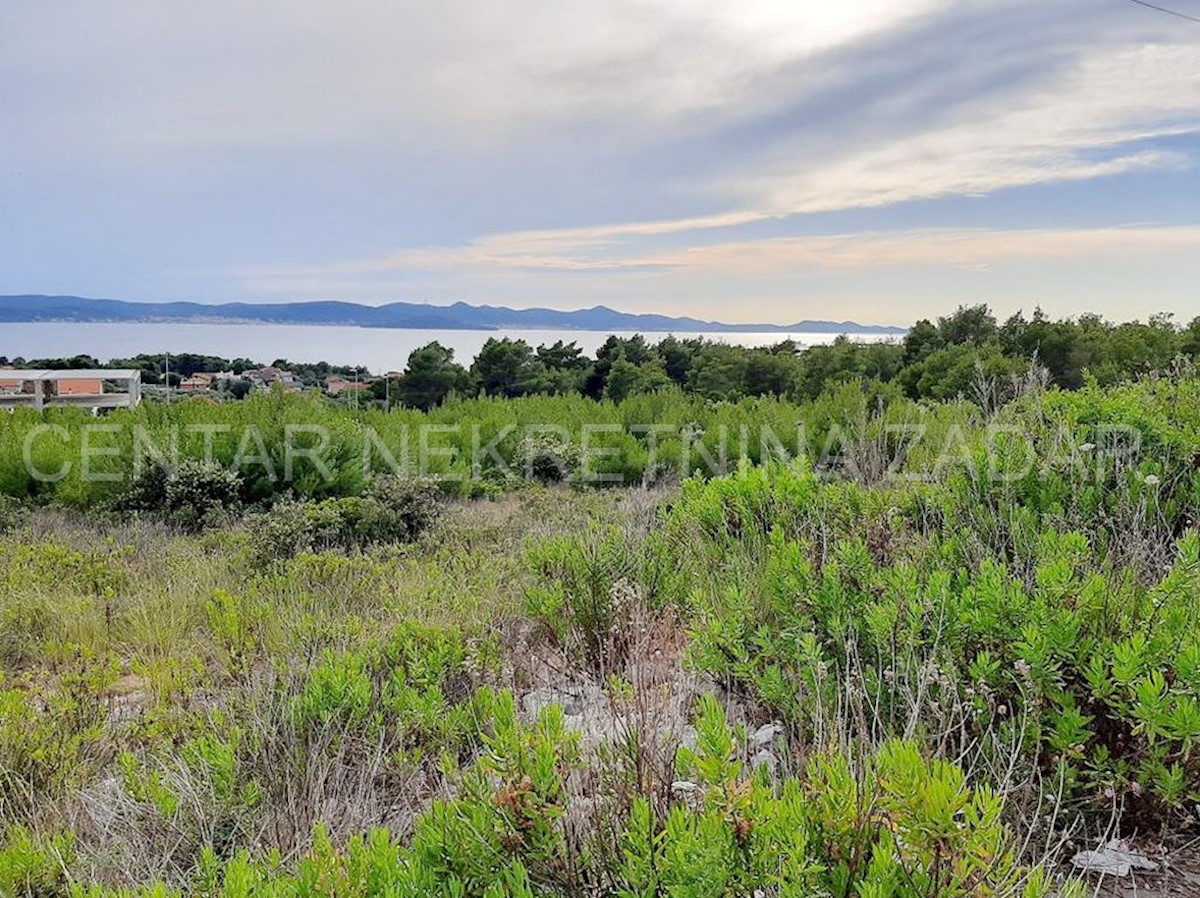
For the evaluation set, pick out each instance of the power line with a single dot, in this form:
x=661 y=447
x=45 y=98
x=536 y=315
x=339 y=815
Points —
x=1170 y=12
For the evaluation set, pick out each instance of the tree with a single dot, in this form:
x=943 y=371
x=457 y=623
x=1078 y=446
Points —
x=431 y=375
x=74 y=362
x=562 y=356
x=1132 y=349
x=718 y=372
x=921 y=340
x=1052 y=343
x=506 y=368
x=678 y=356
x=240 y=388
x=968 y=324
x=1190 y=339
x=769 y=373
x=634 y=350
x=562 y=368
x=626 y=379
x=844 y=360
x=950 y=372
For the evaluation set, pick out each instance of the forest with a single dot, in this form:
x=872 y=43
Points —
x=934 y=360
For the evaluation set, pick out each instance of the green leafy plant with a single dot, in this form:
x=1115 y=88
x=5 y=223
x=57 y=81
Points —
x=192 y=495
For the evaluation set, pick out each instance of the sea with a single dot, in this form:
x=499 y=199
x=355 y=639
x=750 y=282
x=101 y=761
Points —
x=380 y=350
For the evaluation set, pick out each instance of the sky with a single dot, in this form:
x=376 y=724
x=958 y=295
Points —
x=739 y=160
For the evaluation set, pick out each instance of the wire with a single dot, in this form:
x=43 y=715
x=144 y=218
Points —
x=1169 y=12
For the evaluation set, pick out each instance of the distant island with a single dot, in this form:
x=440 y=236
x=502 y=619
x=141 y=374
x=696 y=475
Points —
x=417 y=316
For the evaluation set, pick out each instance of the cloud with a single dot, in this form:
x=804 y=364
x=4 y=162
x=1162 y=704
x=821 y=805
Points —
x=550 y=248
x=964 y=249
x=968 y=250
x=229 y=74
x=1087 y=122
x=967 y=100
x=302 y=146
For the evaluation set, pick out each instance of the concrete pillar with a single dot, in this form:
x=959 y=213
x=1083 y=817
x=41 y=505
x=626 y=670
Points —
x=39 y=394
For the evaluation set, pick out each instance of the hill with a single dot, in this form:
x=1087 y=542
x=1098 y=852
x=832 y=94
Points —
x=459 y=316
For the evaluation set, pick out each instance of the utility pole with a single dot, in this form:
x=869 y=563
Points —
x=167 y=374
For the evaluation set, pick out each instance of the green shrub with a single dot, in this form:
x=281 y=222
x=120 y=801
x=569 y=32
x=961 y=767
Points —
x=192 y=495
x=891 y=824
x=591 y=584
x=391 y=511
x=50 y=736
x=12 y=514
x=817 y=597
x=894 y=824
x=37 y=578
x=33 y=866
x=546 y=458
x=509 y=815
x=408 y=508
x=339 y=691
x=202 y=788
x=417 y=688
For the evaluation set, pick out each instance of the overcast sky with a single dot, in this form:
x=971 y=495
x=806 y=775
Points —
x=880 y=160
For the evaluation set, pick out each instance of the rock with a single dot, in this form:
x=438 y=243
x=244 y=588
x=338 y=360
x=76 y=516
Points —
x=765 y=758
x=765 y=735
x=1112 y=860
x=538 y=700
x=687 y=737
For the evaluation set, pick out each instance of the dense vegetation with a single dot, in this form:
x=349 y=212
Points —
x=937 y=360
x=934 y=360
x=931 y=648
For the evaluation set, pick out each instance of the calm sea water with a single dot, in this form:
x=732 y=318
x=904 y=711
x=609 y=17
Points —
x=380 y=350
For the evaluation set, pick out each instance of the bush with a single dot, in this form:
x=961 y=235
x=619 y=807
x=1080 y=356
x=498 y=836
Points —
x=391 y=511
x=408 y=508
x=547 y=458
x=48 y=736
x=32 y=865
x=193 y=495
x=815 y=596
x=12 y=514
x=895 y=824
x=590 y=587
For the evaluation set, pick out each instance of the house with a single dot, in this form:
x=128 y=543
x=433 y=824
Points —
x=75 y=386
x=337 y=385
x=204 y=380
x=79 y=387
x=8 y=386
x=265 y=378
x=82 y=388
x=195 y=384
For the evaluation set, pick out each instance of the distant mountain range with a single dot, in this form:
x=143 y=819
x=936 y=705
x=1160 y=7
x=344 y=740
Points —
x=460 y=316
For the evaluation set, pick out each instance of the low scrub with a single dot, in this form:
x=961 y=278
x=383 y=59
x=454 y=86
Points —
x=546 y=458
x=390 y=511
x=855 y=604
x=801 y=678
x=894 y=824
x=192 y=495
x=12 y=514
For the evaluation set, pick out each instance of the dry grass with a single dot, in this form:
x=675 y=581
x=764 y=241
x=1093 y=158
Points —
x=194 y=638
